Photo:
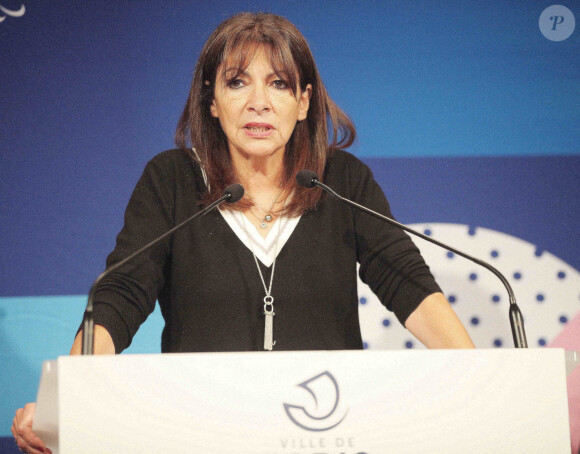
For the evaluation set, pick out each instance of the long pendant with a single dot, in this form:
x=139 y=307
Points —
x=269 y=323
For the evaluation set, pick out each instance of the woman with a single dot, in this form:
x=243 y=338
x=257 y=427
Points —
x=276 y=270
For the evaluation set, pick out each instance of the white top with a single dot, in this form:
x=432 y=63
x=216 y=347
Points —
x=265 y=248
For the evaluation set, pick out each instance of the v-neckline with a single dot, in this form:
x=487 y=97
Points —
x=265 y=248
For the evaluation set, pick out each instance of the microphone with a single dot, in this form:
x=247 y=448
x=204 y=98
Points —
x=232 y=194
x=309 y=179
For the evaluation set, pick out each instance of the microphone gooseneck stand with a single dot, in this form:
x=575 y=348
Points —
x=309 y=179
x=232 y=194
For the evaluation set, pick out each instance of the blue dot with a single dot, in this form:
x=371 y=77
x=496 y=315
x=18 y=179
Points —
x=365 y=345
x=471 y=231
x=497 y=342
x=409 y=344
x=450 y=254
x=563 y=319
x=427 y=232
x=496 y=298
x=538 y=252
x=362 y=300
x=561 y=275
x=473 y=277
x=494 y=254
x=517 y=275
x=539 y=297
x=541 y=341
x=386 y=322
x=452 y=299
x=475 y=321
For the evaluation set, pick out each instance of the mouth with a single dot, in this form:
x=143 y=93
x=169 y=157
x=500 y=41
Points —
x=258 y=129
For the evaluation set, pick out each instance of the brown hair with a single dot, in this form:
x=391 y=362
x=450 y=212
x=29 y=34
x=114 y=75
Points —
x=237 y=39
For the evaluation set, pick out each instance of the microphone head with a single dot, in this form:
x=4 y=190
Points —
x=234 y=192
x=306 y=178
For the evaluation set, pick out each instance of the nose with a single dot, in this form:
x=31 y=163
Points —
x=259 y=101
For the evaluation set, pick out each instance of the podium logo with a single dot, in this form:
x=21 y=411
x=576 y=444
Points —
x=7 y=12
x=321 y=412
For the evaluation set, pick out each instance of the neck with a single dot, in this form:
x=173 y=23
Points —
x=259 y=175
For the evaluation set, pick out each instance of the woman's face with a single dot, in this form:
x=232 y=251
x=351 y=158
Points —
x=256 y=109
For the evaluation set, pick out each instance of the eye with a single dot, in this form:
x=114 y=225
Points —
x=235 y=83
x=280 y=84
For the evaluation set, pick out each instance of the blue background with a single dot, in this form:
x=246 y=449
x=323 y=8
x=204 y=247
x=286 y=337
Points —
x=465 y=112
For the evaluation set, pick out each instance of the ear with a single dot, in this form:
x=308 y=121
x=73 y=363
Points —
x=213 y=110
x=304 y=102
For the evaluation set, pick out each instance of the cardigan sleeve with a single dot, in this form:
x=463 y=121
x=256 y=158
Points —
x=125 y=298
x=390 y=263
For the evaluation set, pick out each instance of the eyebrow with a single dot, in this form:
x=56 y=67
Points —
x=239 y=71
x=236 y=70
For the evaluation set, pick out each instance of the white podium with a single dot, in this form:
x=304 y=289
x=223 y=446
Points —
x=341 y=402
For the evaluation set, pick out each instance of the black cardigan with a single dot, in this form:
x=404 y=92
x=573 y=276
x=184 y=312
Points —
x=206 y=280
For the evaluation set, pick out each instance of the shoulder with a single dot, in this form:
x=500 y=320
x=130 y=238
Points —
x=176 y=162
x=344 y=168
x=342 y=161
x=343 y=157
x=174 y=158
x=175 y=168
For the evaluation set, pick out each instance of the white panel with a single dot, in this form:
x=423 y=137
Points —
x=478 y=401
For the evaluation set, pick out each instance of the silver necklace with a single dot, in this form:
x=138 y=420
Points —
x=268 y=312
x=263 y=222
x=268 y=218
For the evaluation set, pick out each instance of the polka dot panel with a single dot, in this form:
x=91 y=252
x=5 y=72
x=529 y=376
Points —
x=546 y=289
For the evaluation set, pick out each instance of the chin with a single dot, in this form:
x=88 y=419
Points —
x=262 y=151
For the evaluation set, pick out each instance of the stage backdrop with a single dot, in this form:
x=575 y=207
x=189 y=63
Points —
x=467 y=112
